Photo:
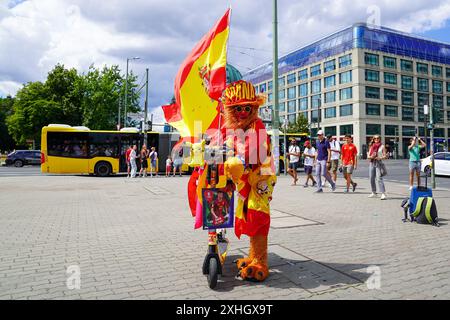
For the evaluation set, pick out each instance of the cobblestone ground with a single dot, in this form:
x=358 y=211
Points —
x=134 y=239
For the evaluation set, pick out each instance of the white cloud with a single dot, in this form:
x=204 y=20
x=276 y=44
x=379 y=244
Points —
x=37 y=34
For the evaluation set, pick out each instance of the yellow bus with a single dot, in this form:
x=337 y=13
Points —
x=79 y=150
x=299 y=137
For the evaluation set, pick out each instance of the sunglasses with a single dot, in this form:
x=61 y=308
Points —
x=240 y=108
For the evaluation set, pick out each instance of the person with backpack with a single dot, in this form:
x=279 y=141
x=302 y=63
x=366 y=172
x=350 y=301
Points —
x=376 y=155
x=153 y=162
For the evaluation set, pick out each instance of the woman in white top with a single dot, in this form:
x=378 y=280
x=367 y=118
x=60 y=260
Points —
x=133 y=157
x=376 y=155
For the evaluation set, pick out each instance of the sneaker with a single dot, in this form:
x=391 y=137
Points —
x=410 y=188
x=318 y=191
x=314 y=184
x=333 y=187
x=383 y=197
x=372 y=195
x=346 y=191
x=305 y=185
x=354 y=186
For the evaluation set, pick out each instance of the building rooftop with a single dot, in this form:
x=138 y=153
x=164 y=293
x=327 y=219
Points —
x=359 y=35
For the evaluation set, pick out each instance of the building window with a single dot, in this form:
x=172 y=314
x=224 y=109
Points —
x=346 y=93
x=330 y=97
x=407 y=114
x=390 y=78
x=291 y=106
x=372 y=109
x=270 y=97
x=447 y=74
x=303 y=103
x=282 y=94
x=420 y=114
x=372 y=93
x=422 y=68
x=282 y=106
x=281 y=81
x=436 y=71
x=408 y=131
x=346 y=129
x=438 y=115
x=262 y=88
x=438 y=102
x=448 y=102
x=390 y=62
x=270 y=85
x=291 y=78
x=371 y=59
x=345 y=61
x=330 y=81
x=437 y=86
x=408 y=98
x=303 y=74
x=291 y=118
x=407 y=82
x=330 y=130
x=345 y=77
x=329 y=65
x=304 y=115
x=373 y=129
x=303 y=90
x=422 y=99
x=439 y=132
x=406 y=65
x=315 y=116
x=315 y=70
x=315 y=101
x=291 y=93
x=390 y=94
x=345 y=110
x=315 y=86
x=391 y=111
x=330 y=112
x=390 y=130
x=448 y=86
x=422 y=85
x=372 y=75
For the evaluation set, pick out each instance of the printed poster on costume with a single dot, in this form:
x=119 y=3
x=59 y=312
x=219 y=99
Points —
x=218 y=208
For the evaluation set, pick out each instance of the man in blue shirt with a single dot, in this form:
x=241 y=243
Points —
x=323 y=155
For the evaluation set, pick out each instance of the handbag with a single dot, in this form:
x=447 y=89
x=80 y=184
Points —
x=383 y=170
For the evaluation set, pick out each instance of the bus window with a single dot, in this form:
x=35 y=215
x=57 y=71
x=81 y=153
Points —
x=67 y=144
x=103 y=145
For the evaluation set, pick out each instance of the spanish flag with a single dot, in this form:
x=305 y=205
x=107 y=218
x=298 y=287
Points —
x=200 y=82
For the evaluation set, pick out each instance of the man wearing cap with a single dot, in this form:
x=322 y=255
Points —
x=323 y=158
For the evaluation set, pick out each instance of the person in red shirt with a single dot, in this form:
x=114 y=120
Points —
x=349 y=161
x=127 y=159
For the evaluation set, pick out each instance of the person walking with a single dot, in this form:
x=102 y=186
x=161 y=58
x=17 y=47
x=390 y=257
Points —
x=144 y=162
x=133 y=157
x=309 y=154
x=415 y=144
x=335 y=148
x=376 y=155
x=349 y=162
x=294 y=158
x=178 y=162
x=322 y=159
x=153 y=162
x=127 y=160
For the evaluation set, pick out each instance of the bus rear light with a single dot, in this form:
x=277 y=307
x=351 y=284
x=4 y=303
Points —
x=42 y=158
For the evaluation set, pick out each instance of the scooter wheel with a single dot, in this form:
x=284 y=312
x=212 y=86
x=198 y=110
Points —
x=213 y=273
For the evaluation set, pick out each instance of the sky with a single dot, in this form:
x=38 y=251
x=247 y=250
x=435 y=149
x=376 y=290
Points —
x=35 y=35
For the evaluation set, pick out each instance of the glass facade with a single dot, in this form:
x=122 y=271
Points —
x=371 y=59
x=345 y=110
x=345 y=61
x=408 y=131
x=303 y=90
x=422 y=99
x=406 y=65
x=303 y=104
x=407 y=82
x=330 y=97
x=315 y=101
x=372 y=109
x=303 y=74
x=291 y=106
x=407 y=114
x=437 y=86
x=372 y=92
x=330 y=112
x=373 y=129
x=315 y=86
x=372 y=75
x=329 y=65
x=422 y=85
x=390 y=62
x=390 y=130
x=329 y=81
x=291 y=93
x=436 y=71
x=390 y=111
x=345 y=94
x=422 y=68
x=408 y=98
x=390 y=78
x=390 y=94
x=346 y=129
x=315 y=70
x=291 y=78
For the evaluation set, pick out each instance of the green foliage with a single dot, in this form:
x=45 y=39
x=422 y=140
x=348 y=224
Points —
x=6 y=109
x=301 y=125
x=90 y=99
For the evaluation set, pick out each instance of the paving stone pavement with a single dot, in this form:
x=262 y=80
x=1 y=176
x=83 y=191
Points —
x=134 y=239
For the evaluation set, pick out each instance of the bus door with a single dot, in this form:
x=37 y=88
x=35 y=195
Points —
x=127 y=140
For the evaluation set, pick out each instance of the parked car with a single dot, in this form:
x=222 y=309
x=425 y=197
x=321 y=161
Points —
x=19 y=158
x=441 y=164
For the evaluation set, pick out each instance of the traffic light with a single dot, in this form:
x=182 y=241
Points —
x=149 y=125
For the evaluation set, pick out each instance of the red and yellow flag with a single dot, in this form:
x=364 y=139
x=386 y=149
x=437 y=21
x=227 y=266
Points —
x=200 y=82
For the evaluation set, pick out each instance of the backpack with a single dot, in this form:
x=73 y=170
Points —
x=425 y=212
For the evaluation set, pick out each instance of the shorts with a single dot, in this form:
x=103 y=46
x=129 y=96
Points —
x=334 y=165
x=144 y=164
x=168 y=168
x=293 y=165
x=308 y=169
x=348 y=169
x=414 y=166
x=177 y=164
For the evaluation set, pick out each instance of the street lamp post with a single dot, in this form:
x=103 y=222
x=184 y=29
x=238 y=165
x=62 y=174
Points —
x=431 y=127
x=126 y=91
x=276 y=116
x=425 y=113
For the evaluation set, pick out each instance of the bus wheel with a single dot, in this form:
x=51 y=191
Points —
x=102 y=169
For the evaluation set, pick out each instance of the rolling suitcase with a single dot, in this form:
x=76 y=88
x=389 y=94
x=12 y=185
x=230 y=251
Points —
x=417 y=192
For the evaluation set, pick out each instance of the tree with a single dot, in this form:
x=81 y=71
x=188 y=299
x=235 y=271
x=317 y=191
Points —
x=301 y=125
x=6 y=109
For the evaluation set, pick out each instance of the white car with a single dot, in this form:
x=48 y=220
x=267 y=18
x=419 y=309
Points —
x=441 y=164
